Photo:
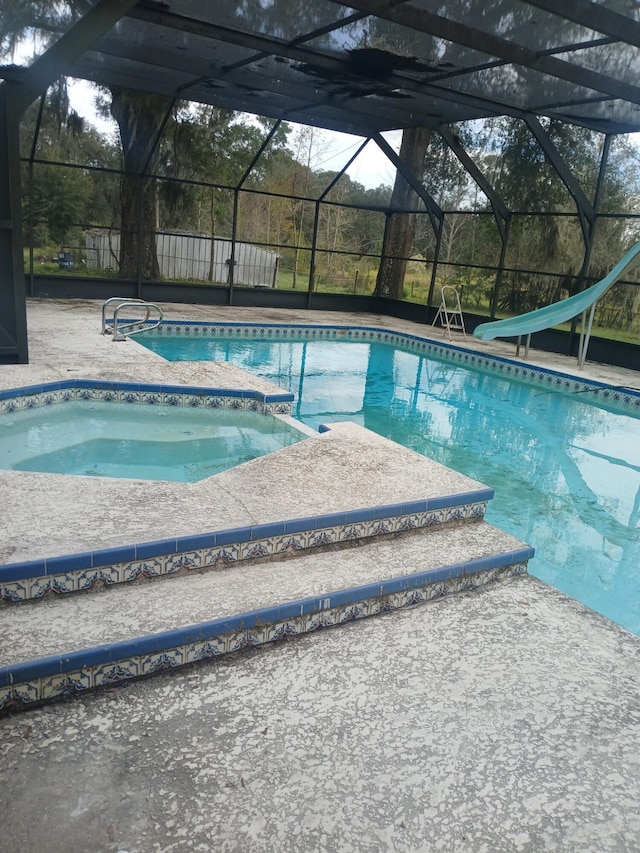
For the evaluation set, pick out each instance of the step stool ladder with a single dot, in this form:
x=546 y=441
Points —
x=450 y=312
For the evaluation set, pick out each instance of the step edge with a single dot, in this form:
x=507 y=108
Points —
x=133 y=658
x=33 y=579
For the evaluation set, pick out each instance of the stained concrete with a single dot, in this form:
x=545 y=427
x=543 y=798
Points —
x=505 y=720
x=347 y=468
x=493 y=722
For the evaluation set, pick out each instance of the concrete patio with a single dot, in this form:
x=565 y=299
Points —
x=505 y=719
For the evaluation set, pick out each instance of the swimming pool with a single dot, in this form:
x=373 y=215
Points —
x=140 y=432
x=564 y=460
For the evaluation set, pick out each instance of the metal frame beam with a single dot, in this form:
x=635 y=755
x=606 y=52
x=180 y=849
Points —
x=335 y=63
x=15 y=98
x=594 y=16
x=584 y=207
x=436 y=25
x=500 y=210
x=436 y=214
x=13 y=314
x=80 y=37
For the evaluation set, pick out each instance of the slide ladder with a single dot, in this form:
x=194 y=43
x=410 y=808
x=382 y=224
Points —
x=561 y=312
x=450 y=312
x=120 y=330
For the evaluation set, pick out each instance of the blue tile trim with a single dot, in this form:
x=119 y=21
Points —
x=168 y=641
x=236 y=534
x=158 y=548
x=77 y=386
x=300 y=525
x=22 y=571
x=70 y=563
x=109 y=556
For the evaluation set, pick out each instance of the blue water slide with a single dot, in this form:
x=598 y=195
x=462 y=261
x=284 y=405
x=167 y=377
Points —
x=560 y=312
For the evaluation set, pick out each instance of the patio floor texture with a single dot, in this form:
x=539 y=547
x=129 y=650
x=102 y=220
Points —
x=506 y=719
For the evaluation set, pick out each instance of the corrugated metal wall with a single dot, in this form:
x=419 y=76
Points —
x=186 y=257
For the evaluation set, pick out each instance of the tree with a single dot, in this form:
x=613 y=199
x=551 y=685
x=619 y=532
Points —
x=401 y=227
x=63 y=197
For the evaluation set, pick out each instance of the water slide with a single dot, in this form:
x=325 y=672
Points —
x=560 y=312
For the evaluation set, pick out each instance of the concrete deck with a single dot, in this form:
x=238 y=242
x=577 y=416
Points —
x=501 y=720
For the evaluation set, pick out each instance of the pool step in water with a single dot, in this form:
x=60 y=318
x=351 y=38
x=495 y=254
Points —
x=62 y=645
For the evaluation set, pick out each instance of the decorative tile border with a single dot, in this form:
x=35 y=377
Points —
x=25 y=684
x=65 y=391
x=624 y=400
x=26 y=581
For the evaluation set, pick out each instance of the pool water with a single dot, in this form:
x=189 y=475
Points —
x=566 y=473
x=137 y=441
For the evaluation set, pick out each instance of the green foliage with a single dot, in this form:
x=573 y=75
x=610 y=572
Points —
x=61 y=197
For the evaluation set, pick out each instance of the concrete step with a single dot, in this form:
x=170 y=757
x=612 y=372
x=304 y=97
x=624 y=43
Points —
x=62 y=645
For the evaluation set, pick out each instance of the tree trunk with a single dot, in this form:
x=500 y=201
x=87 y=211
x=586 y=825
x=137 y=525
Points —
x=402 y=226
x=139 y=118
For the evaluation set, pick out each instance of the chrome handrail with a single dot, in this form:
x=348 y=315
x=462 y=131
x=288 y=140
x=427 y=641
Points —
x=121 y=331
x=106 y=330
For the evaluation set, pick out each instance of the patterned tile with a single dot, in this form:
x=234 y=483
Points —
x=326 y=536
x=86 y=579
x=54 y=686
x=6 y=696
x=379 y=527
x=111 y=574
x=350 y=613
x=16 y=591
x=80 y=679
x=40 y=586
x=149 y=568
x=283 y=630
x=112 y=673
x=205 y=649
x=27 y=692
x=188 y=560
x=292 y=543
x=256 y=550
x=222 y=556
x=323 y=619
x=161 y=660
x=353 y=531
x=411 y=597
x=407 y=522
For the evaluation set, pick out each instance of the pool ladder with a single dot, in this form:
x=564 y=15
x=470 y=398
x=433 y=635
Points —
x=120 y=330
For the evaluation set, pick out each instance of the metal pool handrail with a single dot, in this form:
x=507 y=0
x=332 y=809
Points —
x=120 y=332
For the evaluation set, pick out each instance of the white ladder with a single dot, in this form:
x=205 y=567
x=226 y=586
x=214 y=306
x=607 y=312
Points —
x=450 y=312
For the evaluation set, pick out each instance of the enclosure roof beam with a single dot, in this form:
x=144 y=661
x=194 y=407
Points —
x=586 y=211
x=424 y=21
x=594 y=16
x=500 y=209
x=436 y=214
x=325 y=60
x=80 y=37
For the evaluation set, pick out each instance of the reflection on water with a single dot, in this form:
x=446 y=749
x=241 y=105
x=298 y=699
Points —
x=566 y=473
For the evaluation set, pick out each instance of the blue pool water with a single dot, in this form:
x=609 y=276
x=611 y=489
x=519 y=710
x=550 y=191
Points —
x=566 y=473
x=137 y=441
